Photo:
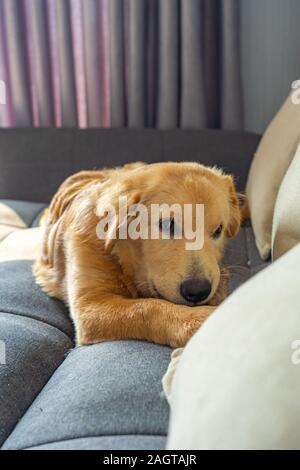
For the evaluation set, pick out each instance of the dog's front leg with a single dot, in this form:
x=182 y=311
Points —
x=114 y=318
x=103 y=310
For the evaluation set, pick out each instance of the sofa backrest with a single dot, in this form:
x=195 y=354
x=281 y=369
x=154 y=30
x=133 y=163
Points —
x=33 y=162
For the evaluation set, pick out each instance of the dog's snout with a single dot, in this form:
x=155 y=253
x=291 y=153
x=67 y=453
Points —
x=195 y=290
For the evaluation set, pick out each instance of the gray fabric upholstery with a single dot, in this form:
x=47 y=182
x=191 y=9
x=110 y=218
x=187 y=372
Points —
x=33 y=162
x=106 y=389
x=33 y=351
x=20 y=295
x=107 y=442
x=241 y=257
x=37 y=333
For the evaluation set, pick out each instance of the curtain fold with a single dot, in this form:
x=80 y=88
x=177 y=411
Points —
x=136 y=58
x=117 y=64
x=39 y=63
x=231 y=91
x=19 y=84
x=168 y=65
x=192 y=110
x=66 y=64
x=151 y=60
x=79 y=61
x=6 y=115
x=91 y=36
x=121 y=63
x=212 y=59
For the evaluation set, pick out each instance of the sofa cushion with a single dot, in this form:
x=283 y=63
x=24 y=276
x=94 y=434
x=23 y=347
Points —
x=20 y=214
x=20 y=236
x=33 y=351
x=36 y=333
x=22 y=244
x=286 y=220
x=20 y=295
x=271 y=161
x=106 y=389
x=134 y=442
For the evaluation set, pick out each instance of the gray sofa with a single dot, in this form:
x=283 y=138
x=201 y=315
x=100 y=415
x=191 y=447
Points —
x=109 y=395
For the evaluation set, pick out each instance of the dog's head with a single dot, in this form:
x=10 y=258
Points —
x=172 y=266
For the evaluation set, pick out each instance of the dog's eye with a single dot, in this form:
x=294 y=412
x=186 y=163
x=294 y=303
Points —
x=217 y=232
x=167 y=226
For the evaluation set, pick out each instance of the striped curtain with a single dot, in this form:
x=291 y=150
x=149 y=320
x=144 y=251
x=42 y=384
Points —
x=120 y=63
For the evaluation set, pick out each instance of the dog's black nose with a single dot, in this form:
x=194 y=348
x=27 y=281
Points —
x=195 y=290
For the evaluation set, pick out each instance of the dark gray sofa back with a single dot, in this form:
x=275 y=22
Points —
x=33 y=162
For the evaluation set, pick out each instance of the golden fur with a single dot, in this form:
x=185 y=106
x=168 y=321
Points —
x=128 y=289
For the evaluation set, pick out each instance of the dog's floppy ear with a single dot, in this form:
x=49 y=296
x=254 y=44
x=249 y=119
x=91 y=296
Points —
x=68 y=191
x=117 y=217
x=235 y=212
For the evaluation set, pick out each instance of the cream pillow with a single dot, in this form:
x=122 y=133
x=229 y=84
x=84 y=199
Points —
x=22 y=244
x=237 y=384
x=167 y=380
x=268 y=168
x=286 y=221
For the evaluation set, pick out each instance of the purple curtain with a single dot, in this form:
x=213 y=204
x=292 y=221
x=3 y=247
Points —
x=120 y=63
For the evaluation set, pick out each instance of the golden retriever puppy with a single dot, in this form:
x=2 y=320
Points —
x=143 y=288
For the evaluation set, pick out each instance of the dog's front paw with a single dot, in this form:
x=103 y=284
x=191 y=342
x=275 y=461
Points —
x=189 y=323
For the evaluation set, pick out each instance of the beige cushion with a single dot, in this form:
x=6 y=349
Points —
x=9 y=217
x=269 y=166
x=5 y=230
x=286 y=221
x=167 y=380
x=237 y=385
x=10 y=221
x=21 y=244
